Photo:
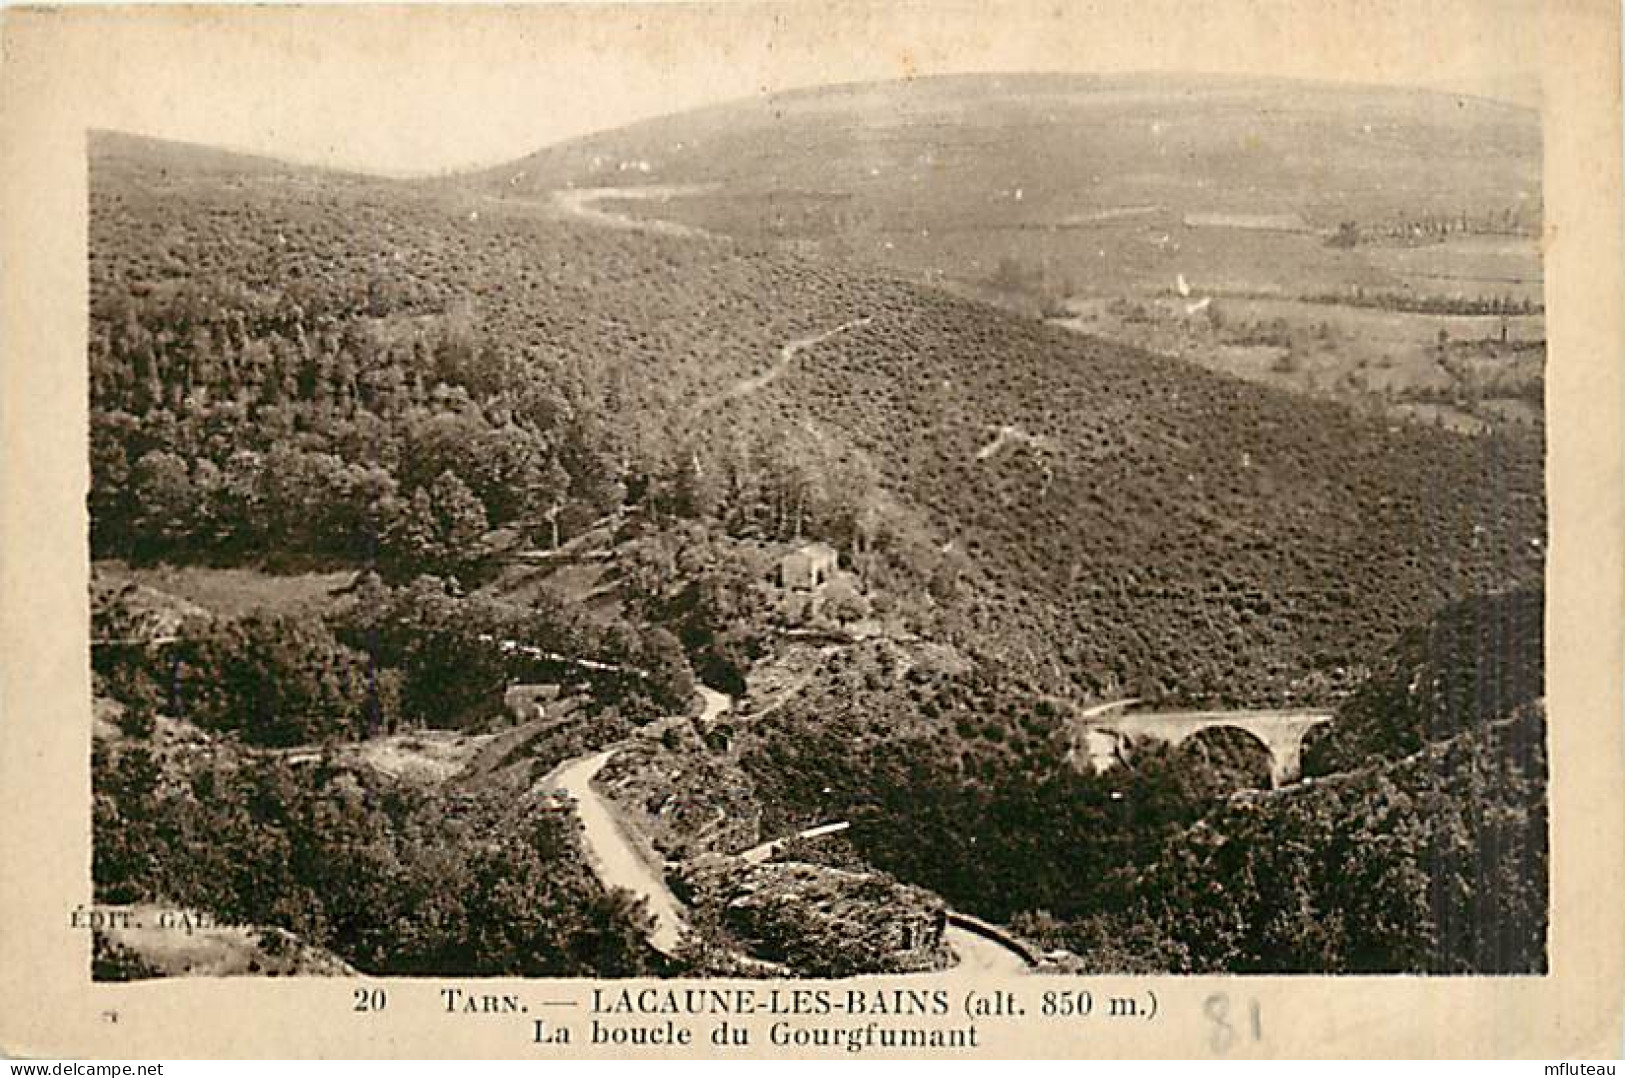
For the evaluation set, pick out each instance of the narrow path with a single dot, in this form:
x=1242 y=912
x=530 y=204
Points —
x=757 y=855
x=787 y=355
x=514 y=647
x=581 y=204
x=1005 y=435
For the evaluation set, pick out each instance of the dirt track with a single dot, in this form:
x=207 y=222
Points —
x=580 y=203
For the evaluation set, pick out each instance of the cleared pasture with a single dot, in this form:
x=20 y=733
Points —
x=1395 y=361
x=235 y=591
x=1468 y=266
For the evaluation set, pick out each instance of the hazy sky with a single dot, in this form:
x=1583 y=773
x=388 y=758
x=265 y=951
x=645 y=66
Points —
x=418 y=90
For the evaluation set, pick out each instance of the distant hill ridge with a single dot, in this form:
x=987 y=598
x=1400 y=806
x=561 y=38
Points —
x=1090 y=182
x=1056 y=130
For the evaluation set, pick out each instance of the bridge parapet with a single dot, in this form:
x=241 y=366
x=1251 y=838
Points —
x=1280 y=731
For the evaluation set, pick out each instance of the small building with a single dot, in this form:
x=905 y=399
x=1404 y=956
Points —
x=529 y=702
x=809 y=566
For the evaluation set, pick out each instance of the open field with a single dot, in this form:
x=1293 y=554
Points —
x=234 y=591
x=1470 y=373
x=1121 y=250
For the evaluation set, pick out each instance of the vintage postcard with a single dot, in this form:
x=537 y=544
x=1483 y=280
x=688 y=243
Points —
x=812 y=529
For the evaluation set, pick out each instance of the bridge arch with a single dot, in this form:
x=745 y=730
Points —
x=1280 y=732
x=1233 y=752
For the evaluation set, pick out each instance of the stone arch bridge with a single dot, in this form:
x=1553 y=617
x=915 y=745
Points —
x=1105 y=731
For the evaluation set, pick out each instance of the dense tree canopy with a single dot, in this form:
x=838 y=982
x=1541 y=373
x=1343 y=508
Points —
x=392 y=880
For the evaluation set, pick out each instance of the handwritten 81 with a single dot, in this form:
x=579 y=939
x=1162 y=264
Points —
x=1223 y=1031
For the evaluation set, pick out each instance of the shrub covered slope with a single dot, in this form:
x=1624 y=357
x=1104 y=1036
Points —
x=361 y=372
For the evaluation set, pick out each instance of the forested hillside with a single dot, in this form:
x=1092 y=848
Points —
x=544 y=452
x=360 y=373
x=391 y=879
x=1418 y=842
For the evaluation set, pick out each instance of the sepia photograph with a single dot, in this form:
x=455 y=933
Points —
x=1050 y=522
x=976 y=513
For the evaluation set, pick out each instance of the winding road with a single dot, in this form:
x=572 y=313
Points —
x=613 y=857
x=617 y=861
x=581 y=203
x=611 y=854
